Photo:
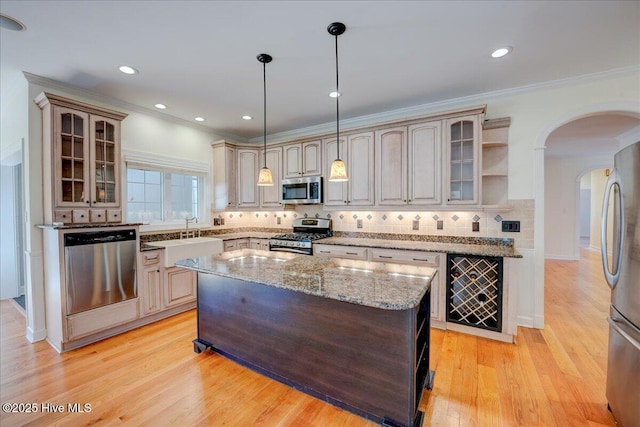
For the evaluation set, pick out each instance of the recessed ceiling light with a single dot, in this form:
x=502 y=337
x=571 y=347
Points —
x=246 y=117
x=199 y=119
x=12 y=24
x=334 y=94
x=160 y=106
x=499 y=53
x=127 y=69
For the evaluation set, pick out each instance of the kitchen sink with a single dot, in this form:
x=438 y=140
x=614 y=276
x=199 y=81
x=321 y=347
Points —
x=177 y=249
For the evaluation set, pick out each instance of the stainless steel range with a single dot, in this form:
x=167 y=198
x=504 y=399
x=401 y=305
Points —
x=305 y=231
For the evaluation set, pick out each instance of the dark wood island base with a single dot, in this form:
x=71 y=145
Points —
x=371 y=361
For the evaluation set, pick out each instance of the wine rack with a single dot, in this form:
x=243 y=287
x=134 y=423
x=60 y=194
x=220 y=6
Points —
x=474 y=291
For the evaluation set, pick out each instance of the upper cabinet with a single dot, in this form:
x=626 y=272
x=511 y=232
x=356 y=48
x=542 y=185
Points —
x=303 y=159
x=270 y=195
x=409 y=164
x=81 y=165
x=248 y=170
x=224 y=175
x=462 y=154
x=357 y=151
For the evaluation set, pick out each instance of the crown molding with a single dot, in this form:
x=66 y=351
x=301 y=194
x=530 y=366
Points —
x=345 y=124
x=426 y=109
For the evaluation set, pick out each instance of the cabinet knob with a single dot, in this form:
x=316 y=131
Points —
x=64 y=216
x=87 y=201
x=115 y=215
x=99 y=216
x=82 y=216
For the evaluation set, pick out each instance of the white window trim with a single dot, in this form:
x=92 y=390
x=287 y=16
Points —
x=137 y=159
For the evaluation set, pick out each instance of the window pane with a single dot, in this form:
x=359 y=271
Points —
x=155 y=196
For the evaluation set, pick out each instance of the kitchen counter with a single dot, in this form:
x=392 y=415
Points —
x=379 y=285
x=494 y=250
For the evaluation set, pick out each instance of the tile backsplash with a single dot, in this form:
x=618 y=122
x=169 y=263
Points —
x=455 y=223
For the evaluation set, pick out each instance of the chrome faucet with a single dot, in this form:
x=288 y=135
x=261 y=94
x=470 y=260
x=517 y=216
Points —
x=186 y=233
x=190 y=220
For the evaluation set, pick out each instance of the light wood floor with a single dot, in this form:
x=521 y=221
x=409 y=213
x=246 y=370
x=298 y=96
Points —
x=151 y=376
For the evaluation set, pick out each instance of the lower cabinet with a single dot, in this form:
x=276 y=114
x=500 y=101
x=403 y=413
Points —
x=235 y=244
x=179 y=286
x=163 y=288
x=151 y=282
x=259 y=244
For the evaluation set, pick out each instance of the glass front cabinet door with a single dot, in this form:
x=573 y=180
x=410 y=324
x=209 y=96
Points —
x=463 y=158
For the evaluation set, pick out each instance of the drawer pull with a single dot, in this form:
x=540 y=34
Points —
x=385 y=257
x=325 y=252
x=421 y=259
x=353 y=253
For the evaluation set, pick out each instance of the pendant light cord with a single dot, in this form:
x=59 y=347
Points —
x=337 y=103
x=264 y=81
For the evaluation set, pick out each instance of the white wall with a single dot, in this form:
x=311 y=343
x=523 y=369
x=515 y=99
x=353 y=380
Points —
x=562 y=177
x=8 y=255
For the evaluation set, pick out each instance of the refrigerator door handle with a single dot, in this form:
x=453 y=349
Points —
x=615 y=324
x=612 y=277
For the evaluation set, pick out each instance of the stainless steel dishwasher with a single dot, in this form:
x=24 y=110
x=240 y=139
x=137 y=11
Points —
x=99 y=268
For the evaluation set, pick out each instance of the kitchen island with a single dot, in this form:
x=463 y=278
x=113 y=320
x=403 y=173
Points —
x=352 y=333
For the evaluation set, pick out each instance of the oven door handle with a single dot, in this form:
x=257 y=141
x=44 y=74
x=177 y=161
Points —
x=298 y=251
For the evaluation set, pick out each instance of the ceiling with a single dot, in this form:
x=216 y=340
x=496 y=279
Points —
x=199 y=57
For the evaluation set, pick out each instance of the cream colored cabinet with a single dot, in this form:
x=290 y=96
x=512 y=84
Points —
x=224 y=175
x=409 y=164
x=303 y=159
x=179 y=286
x=259 y=244
x=463 y=158
x=236 y=244
x=357 y=151
x=495 y=170
x=81 y=161
x=248 y=169
x=270 y=195
x=350 y=252
x=151 y=281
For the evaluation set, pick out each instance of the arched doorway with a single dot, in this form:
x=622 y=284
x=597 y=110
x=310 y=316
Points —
x=573 y=121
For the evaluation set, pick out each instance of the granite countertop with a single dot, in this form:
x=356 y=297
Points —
x=446 y=247
x=380 y=285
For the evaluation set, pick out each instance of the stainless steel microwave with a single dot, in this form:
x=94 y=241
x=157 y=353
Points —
x=302 y=191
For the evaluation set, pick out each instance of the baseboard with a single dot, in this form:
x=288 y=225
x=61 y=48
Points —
x=35 y=336
x=525 y=321
x=560 y=257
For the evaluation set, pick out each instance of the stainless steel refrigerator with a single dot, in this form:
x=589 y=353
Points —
x=622 y=272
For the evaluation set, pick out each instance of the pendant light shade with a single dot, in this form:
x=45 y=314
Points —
x=338 y=168
x=265 y=178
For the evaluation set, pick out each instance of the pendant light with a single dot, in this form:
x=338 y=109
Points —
x=338 y=168
x=265 y=178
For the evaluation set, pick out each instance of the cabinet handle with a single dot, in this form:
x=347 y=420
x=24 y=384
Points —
x=115 y=215
x=99 y=215
x=352 y=253
x=419 y=259
x=384 y=256
x=82 y=216
x=325 y=252
x=87 y=202
x=64 y=216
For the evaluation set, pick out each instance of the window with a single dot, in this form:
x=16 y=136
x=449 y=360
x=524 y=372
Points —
x=160 y=196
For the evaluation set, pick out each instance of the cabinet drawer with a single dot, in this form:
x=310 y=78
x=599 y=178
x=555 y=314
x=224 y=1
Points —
x=230 y=245
x=98 y=215
x=114 y=215
x=62 y=215
x=405 y=257
x=151 y=258
x=351 y=252
x=80 y=216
